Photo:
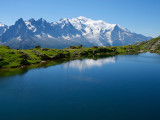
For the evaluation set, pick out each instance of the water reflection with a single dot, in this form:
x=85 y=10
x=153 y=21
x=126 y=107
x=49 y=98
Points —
x=25 y=69
x=80 y=64
x=88 y=63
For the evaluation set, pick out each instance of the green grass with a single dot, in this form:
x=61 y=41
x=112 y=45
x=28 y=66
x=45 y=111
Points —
x=150 y=45
x=10 y=58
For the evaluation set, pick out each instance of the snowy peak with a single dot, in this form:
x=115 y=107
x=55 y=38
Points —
x=16 y=30
x=89 y=26
x=3 y=28
x=63 y=20
x=121 y=28
x=90 y=23
x=82 y=18
x=1 y=25
x=37 y=26
x=83 y=22
x=93 y=30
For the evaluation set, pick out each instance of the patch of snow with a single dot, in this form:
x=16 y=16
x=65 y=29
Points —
x=2 y=25
x=129 y=34
x=108 y=35
x=42 y=19
x=5 y=30
x=66 y=37
x=44 y=35
x=19 y=38
x=31 y=27
x=120 y=37
x=124 y=29
x=38 y=36
x=49 y=36
x=62 y=22
x=77 y=36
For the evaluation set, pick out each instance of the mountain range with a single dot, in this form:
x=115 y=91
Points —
x=66 y=32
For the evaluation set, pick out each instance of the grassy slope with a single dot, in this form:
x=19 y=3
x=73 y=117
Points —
x=10 y=58
x=152 y=45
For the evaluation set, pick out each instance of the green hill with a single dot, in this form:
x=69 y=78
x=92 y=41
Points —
x=152 y=45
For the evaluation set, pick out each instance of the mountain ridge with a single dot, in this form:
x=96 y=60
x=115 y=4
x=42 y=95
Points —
x=66 y=32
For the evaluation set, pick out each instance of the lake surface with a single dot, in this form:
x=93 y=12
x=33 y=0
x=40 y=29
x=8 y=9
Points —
x=124 y=87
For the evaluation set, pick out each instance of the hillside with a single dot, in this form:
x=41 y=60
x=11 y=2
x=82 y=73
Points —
x=152 y=45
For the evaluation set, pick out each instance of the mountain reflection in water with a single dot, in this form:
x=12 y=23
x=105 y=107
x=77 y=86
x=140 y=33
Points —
x=88 y=63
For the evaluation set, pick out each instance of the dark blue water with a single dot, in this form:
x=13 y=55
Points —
x=125 y=87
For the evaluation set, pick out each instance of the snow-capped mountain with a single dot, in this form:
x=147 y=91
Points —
x=3 y=28
x=66 y=32
x=104 y=34
x=94 y=30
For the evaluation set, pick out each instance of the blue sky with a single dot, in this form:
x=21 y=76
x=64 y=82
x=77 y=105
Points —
x=140 y=16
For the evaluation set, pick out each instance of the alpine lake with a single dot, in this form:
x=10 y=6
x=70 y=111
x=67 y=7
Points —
x=122 y=87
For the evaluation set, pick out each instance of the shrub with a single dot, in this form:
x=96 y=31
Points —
x=38 y=46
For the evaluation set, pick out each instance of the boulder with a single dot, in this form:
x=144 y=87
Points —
x=44 y=57
x=58 y=56
x=25 y=62
x=24 y=56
